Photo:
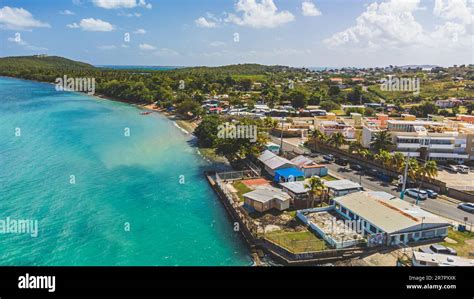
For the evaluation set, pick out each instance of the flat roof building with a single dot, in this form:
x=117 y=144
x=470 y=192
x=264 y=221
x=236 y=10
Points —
x=393 y=220
x=342 y=187
x=265 y=198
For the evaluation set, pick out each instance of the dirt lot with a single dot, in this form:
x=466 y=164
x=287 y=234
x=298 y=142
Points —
x=461 y=181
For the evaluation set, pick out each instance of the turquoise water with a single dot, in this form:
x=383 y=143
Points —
x=118 y=180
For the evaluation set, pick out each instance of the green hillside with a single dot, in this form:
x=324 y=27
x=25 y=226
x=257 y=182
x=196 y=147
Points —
x=40 y=61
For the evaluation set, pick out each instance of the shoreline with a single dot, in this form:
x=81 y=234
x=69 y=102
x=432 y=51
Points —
x=186 y=126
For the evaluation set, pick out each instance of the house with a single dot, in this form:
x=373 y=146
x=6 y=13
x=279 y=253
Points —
x=272 y=162
x=342 y=187
x=298 y=192
x=309 y=167
x=335 y=80
x=290 y=174
x=436 y=259
x=389 y=220
x=266 y=198
x=329 y=127
x=448 y=103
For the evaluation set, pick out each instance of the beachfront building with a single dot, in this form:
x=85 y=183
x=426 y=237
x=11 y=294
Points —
x=389 y=219
x=421 y=259
x=342 y=187
x=298 y=192
x=265 y=198
x=309 y=167
x=271 y=162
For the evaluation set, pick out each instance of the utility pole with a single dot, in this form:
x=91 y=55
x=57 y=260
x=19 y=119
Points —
x=402 y=192
x=281 y=136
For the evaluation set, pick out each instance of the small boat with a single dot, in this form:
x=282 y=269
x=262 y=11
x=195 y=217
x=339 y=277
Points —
x=145 y=113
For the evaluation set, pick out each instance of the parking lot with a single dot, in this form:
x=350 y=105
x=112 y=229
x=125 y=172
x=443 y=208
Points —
x=460 y=181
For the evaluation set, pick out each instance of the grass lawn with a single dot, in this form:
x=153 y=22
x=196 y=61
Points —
x=329 y=178
x=297 y=242
x=462 y=247
x=241 y=189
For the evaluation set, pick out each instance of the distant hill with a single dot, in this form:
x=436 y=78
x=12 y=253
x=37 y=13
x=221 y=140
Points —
x=239 y=69
x=42 y=61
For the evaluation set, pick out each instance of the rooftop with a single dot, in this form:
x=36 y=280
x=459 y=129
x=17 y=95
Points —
x=266 y=193
x=295 y=187
x=442 y=259
x=342 y=185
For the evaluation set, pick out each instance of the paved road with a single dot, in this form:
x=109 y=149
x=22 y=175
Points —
x=438 y=206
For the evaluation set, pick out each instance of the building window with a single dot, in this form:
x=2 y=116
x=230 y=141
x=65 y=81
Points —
x=423 y=263
x=343 y=210
x=372 y=229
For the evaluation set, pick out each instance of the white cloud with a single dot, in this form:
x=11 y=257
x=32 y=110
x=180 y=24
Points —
x=389 y=23
x=263 y=14
x=66 y=12
x=203 y=22
x=92 y=24
x=309 y=9
x=217 y=44
x=19 y=41
x=130 y=15
x=146 y=47
x=107 y=47
x=453 y=9
x=115 y=4
x=18 y=19
x=166 y=52
x=140 y=31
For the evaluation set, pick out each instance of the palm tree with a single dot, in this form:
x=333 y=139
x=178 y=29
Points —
x=363 y=152
x=382 y=141
x=431 y=169
x=337 y=140
x=319 y=136
x=354 y=147
x=398 y=162
x=384 y=158
x=316 y=189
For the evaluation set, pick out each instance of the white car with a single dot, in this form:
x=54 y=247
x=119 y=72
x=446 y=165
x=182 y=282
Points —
x=421 y=194
x=463 y=168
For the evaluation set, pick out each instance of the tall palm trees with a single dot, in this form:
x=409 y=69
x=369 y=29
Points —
x=337 y=140
x=384 y=157
x=382 y=141
x=316 y=189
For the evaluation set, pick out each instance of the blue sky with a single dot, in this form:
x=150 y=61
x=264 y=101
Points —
x=218 y=32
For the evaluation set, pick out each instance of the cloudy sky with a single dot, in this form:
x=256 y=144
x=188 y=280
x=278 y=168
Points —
x=307 y=33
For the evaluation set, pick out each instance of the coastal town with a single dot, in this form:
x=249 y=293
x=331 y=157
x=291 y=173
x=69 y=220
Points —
x=347 y=188
x=350 y=166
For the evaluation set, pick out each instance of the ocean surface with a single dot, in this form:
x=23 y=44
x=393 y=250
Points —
x=100 y=197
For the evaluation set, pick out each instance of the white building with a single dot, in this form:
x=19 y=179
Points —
x=342 y=187
x=390 y=219
x=263 y=199
x=434 y=260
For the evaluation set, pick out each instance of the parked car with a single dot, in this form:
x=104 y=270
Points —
x=463 y=168
x=452 y=168
x=356 y=167
x=415 y=193
x=342 y=162
x=431 y=193
x=313 y=155
x=437 y=248
x=468 y=207
x=328 y=157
